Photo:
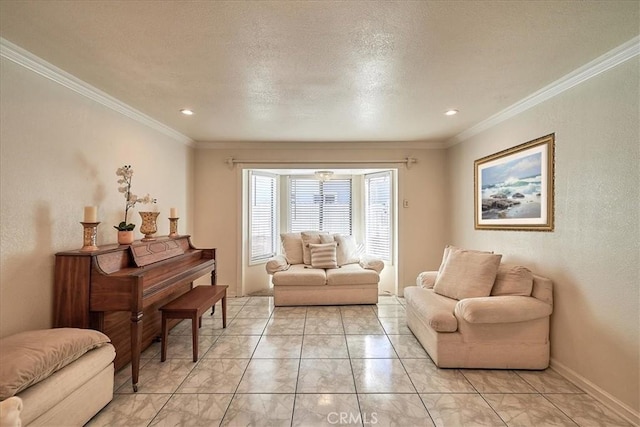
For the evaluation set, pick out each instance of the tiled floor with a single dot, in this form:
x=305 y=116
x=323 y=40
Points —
x=349 y=365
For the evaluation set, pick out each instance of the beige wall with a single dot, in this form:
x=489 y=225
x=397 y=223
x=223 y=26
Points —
x=421 y=225
x=593 y=254
x=59 y=152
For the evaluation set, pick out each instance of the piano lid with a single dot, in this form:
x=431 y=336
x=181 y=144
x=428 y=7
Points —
x=145 y=253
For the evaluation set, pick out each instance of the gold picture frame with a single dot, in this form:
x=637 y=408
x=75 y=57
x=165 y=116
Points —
x=513 y=189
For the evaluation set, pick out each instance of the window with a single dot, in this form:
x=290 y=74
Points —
x=262 y=215
x=320 y=205
x=378 y=214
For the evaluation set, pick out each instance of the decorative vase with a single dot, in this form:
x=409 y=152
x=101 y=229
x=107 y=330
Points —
x=149 y=226
x=125 y=237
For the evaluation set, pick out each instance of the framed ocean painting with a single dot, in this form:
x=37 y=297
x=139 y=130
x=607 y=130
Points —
x=514 y=188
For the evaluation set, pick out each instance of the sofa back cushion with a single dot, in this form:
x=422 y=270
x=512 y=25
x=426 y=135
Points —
x=323 y=255
x=309 y=237
x=292 y=247
x=347 y=250
x=447 y=251
x=467 y=274
x=513 y=280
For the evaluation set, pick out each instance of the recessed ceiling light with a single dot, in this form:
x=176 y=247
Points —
x=187 y=112
x=451 y=112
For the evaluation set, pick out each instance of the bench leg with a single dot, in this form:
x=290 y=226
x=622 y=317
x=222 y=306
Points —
x=165 y=337
x=194 y=332
x=224 y=310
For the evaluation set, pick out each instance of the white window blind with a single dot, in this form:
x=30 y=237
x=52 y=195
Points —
x=262 y=222
x=318 y=205
x=378 y=231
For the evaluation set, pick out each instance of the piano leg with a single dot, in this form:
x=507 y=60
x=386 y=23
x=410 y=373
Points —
x=136 y=347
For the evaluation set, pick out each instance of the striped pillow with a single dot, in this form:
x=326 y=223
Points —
x=323 y=255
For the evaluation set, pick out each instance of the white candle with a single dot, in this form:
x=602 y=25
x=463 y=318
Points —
x=90 y=214
x=173 y=213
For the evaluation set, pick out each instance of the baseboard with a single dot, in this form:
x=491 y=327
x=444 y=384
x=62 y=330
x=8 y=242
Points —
x=597 y=393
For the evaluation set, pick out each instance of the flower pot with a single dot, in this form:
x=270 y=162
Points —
x=125 y=237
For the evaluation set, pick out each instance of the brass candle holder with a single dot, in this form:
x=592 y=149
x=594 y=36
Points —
x=173 y=227
x=89 y=236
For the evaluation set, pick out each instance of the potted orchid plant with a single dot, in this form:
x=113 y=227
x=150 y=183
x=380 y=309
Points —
x=125 y=229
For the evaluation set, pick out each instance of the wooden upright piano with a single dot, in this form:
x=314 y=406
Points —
x=118 y=289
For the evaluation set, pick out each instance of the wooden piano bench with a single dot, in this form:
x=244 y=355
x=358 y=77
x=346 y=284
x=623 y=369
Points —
x=192 y=305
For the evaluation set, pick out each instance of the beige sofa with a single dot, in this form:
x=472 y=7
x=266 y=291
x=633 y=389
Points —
x=323 y=269
x=55 y=377
x=502 y=322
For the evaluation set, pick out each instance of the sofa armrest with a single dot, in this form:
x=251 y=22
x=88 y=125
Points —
x=10 y=410
x=501 y=309
x=371 y=263
x=277 y=263
x=426 y=279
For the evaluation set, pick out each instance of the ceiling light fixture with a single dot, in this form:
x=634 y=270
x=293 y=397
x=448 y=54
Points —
x=187 y=112
x=323 y=175
x=451 y=112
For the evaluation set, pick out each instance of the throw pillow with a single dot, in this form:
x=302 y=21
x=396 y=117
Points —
x=326 y=238
x=309 y=237
x=448 y=250
x=292 y=247
x=29 y=357
x=323 y=255
x=467 y=274
x=347 y=250
x=513 y=280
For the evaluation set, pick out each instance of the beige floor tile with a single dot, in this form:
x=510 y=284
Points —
x=289 y=312
x=362 y=326
x=161 y=377
x=210 y=327
x=395 y=326
x=214 y=376
x=323 y=326
x=428 y=378
x=407 y=346
x=527 y=410
x=393 y=410
x=386 y=300
x=460 y=410
x=496 y=381
x=315 y=410
x=123 y=375
x=370 y=347
x=245 y=327
x=260 y=301
x=270 y=376
x=130 y=410
x=233 y=346
x=381 y=376
x=181 y=346
x=151 y=352
x=285 y=326
x=203 y=410
x=273 y=410
x=325 y=376
x=330 y=311
x=360 y=311
x=258 y=311
x=394 y=311
x=279 y=347
x=324 y=347
x=586 y=411
x=548 y=381
x=237 y=300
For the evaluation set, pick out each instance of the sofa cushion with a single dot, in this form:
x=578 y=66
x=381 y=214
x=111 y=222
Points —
x=435 y=310
x=323 y=255
x=502 y=309
x=351 y=274
x=292 y=247
x=347 y=250
x=309 y=237
x=300 y=275
x=467 y=274
x=513 y=280
x=29 y=357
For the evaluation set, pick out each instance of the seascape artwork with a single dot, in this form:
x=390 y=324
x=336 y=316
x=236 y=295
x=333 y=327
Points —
x=513 y=189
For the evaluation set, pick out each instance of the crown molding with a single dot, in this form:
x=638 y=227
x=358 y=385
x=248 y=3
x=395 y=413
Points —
x=316 y=145
x=38 y=65
x=599 y=65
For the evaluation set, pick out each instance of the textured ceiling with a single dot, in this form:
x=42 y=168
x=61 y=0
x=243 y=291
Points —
x=319 y=70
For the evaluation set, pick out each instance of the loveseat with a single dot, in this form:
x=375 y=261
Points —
x=55 y=377
x=476 y=312
x=319 y=268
